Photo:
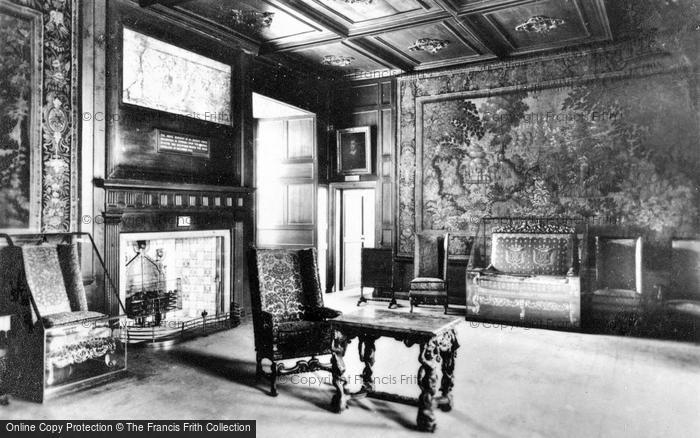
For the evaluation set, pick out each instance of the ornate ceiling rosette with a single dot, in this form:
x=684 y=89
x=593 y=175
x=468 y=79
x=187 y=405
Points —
x=540 y=24
x=358 y=2
x=430 y=45
x=254 y=20
x=337 y=61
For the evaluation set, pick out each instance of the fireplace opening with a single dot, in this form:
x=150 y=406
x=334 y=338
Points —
x=171 y=282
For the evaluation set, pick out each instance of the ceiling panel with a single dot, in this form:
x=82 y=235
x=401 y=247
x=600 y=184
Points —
x=542 y=24
x=354 y=18
x=360 y=12
x=284 y=24
x=359 y=61
x=514 y=25
x=471 y=5
x=433 y=36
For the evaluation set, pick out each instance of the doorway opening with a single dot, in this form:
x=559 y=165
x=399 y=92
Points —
x=286 y=177
x=354 y=229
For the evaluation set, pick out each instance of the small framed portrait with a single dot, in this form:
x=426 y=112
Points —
x=354 y=151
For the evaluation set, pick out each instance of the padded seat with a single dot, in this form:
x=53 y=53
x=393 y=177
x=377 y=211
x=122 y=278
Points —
x=62 y=318
x=687 y=307
x=623 y=294
x=545 y=279
x=428 y=284
x=302 y=338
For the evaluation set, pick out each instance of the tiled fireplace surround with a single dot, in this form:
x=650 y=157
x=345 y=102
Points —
x=195 y=264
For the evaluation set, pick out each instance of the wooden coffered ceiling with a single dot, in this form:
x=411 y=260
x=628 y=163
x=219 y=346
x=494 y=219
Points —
x=359 y=36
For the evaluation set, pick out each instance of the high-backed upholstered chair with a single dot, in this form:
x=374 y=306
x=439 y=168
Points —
x=56 y=342
x=288 y=312
x=618 y=274
x=612 y=298
x=429 y=284
x=681 y=301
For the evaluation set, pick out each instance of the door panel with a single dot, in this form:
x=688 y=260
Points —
x=301 y=138
x=300 y=201
x=286 y=182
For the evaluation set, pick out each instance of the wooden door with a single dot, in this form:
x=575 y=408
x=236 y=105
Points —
x=357 y=232
x=286 y=182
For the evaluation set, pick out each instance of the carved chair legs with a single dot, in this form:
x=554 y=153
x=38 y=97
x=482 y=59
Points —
x=273 y=378
x=258 y=368
x=278 y=369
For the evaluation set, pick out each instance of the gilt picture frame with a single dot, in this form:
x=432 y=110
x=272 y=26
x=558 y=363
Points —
x=354 y=150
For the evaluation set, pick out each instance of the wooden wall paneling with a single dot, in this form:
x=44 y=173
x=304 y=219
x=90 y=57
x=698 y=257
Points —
x=132 y=129
x=364 y=95
x=371 y=103
x=387 y=168
x=239 y=268
x=242 y=103
x=93 y=74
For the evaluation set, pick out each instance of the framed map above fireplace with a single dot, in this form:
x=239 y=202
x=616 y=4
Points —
x=168 y=78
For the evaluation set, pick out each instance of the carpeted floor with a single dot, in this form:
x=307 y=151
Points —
x=509 y=382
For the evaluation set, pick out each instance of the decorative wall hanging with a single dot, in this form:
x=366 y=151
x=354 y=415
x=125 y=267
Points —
x=540 y=24
x=557 y=147
x=20 y=118
x=430 y=45
x=354 y=151
x=254 y=20
x=337 y=61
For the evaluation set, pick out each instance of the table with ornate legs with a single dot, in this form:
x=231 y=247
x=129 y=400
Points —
x=438 y=347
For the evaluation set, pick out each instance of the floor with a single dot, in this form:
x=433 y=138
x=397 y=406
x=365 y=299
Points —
x=509 y=382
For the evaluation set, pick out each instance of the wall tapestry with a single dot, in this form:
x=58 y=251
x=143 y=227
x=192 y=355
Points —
x=54 y=138
x=20 y=118
x=623 y=149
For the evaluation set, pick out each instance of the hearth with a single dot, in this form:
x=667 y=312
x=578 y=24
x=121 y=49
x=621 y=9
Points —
x=172 y=282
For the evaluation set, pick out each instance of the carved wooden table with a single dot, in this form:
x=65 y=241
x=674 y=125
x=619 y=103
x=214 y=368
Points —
x=438 y=345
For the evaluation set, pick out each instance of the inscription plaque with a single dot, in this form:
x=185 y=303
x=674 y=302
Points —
x=174 y=142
